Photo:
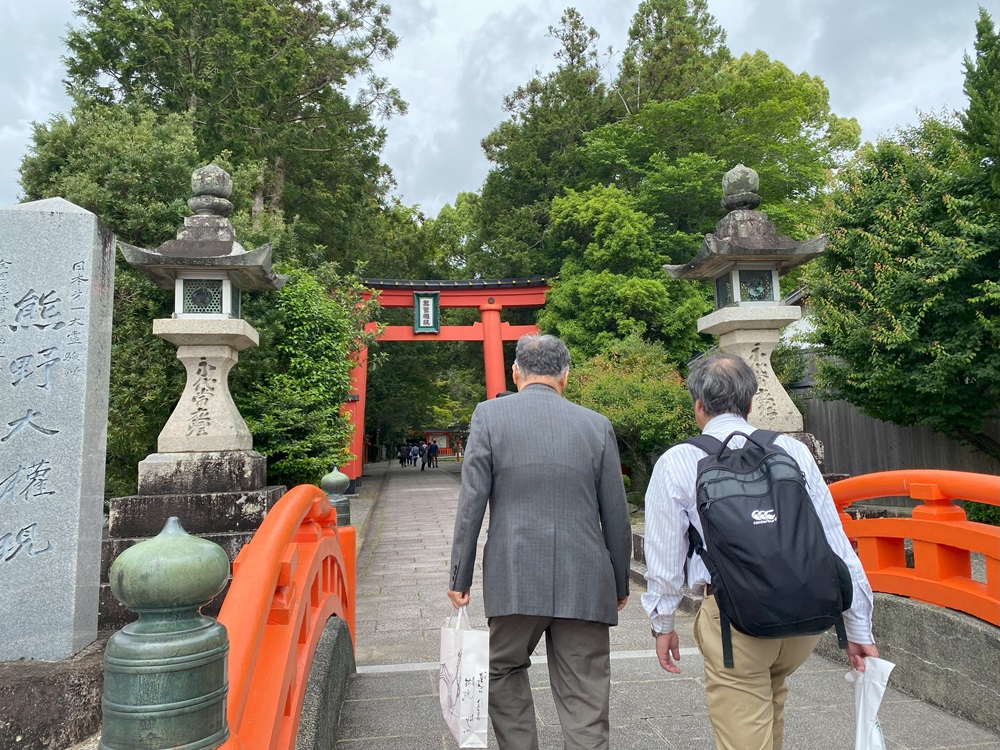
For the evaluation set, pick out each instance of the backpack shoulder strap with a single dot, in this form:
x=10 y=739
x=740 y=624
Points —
x=768 y=436
x=768 y=439
x=711 y=446
x=707 y=443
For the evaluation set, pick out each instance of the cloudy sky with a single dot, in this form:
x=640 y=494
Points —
x=882 y=60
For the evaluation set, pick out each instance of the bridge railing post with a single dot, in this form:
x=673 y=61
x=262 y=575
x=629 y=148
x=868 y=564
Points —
x=335 y=484
x=165 y=675
x=936 y=561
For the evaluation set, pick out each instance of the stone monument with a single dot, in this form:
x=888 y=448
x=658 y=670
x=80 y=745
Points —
x=205 y=470
x=744 y=258
x=56 y=290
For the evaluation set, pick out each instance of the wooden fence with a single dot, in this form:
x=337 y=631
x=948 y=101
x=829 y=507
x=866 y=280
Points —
x=857 y=444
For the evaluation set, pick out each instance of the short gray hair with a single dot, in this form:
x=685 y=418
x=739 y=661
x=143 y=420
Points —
x=724 y=383
x=541 y=355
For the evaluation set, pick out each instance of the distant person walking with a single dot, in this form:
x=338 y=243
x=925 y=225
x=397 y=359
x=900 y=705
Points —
x=414 y=453
x=557 y=561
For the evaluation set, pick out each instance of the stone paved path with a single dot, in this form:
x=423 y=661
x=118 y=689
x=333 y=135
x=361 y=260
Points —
x=393 y=702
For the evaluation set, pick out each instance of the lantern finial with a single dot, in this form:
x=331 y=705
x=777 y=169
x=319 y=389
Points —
x=211 y=187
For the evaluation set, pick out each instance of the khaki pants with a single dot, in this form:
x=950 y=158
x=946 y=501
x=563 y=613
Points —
x=746 y=704
x=579 y=656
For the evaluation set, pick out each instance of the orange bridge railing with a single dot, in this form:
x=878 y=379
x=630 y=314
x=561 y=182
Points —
x=943 y=540
x=296 y=573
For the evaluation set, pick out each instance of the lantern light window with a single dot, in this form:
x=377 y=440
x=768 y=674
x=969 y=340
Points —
x=207 y=294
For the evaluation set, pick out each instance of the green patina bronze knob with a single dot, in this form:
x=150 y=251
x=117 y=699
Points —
x=335 y=484
x=165 y=679
x=171 y=570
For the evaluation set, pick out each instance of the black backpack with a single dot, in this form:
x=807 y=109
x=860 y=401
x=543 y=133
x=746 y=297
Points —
x=773 y=572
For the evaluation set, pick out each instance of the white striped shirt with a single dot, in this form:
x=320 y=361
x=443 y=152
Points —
x=670 y=509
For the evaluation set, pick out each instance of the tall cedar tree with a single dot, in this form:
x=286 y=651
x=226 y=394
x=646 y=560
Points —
x=981 y=119
x=674 y=48
x=265 y=80
x=535 y=153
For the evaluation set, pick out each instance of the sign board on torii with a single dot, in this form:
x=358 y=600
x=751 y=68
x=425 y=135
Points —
x=489 y=296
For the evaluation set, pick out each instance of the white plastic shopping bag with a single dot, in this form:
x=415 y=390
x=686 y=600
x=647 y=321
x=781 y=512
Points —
x=869 y=686
x=464 y=679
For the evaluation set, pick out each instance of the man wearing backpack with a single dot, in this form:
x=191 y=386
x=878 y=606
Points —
x=745 y=674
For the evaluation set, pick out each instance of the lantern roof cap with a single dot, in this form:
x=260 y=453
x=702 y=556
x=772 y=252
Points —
x=745 y=235
x=207 y=241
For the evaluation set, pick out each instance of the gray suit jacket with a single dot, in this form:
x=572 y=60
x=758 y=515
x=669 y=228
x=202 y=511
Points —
x=559 y=537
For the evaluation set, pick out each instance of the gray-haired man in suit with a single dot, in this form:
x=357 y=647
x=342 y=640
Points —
x=557 y=555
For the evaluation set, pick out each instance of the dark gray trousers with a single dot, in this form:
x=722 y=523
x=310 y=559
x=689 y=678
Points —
x=579 y=657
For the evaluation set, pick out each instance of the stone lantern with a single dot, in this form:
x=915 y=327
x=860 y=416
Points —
x=205 y=469
x=206 y=269
x=744 y=259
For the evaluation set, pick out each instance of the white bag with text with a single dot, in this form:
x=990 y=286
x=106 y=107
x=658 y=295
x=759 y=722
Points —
x=464 y=679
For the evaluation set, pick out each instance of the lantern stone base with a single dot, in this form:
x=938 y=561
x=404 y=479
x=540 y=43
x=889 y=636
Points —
x=112 y=614
x=199 y=513
x=219 y=495
x=227 y=518
x=214 y=471
x=751 y=333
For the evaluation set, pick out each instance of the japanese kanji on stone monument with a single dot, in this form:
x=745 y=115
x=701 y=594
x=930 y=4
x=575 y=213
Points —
x=56 y=289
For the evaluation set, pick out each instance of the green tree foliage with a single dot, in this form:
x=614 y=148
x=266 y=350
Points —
x=633 y=385
x=290 y=389
x=674 y=48
x=983 y=513
x=610 y=284
x=671 y=155
x=267 y=81
x=451 y=235
x=981 y=119
x=413 y=386
x=905 y=298
x=780 y=122
x=395 y=246
x=125 y=164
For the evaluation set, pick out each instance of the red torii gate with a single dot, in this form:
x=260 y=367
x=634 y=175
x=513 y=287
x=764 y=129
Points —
x=489 y=296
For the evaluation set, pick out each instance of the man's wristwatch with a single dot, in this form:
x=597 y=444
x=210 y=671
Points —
x=655 y=634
